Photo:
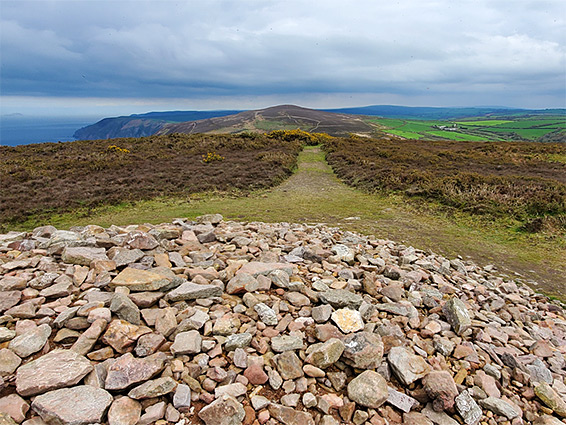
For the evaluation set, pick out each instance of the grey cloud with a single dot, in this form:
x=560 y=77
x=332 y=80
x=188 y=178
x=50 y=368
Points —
x=226 y=48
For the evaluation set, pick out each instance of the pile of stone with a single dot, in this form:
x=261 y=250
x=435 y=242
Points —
x=220 y=322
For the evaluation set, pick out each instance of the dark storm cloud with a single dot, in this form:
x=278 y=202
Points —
x=196 y=49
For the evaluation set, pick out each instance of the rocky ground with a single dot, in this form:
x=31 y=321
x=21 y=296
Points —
x=227 y=323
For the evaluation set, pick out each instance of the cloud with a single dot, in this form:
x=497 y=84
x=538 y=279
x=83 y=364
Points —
x=218 y=49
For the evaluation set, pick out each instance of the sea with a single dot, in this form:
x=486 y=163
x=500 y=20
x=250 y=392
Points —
x=23 y=130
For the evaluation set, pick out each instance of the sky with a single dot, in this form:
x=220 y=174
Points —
x=114 y=57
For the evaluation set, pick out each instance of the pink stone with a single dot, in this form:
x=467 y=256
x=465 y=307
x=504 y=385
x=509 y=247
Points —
x=255 y=374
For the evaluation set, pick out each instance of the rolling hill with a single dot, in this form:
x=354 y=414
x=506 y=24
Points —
x=427 y=123
x=284 y=117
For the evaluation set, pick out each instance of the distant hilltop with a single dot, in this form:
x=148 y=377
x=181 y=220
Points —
x=336 y=122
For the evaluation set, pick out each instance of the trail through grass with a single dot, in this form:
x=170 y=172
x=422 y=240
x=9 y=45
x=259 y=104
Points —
x=314 y=195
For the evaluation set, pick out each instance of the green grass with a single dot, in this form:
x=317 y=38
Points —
x=496 y=129
x=484 y=123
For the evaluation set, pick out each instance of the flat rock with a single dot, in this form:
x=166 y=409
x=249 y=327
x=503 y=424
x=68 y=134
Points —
x=56 y=369
x=30 y=342
x=82 y=256
x=140 y=280
x=153 y=388
x=128 y=370
x=286 y=343
x=551 y=398
x=192 y=291
x=500 y=407
x=441 y=389
x=9 y=362
x=122 y=335
x=9 y=299
x=79 y=405
x=341 y=298
x=242 y=283
x=15 y=406
x=266 y=314
x=6 y=334
x=289 y=365
x=256 y=268
x=368 y=389
x=223 y=411
x=289 y=415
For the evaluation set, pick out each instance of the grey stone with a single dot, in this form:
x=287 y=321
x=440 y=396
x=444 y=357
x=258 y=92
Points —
x=189 y=342
x=237 y=341
x=326 y=354
x=363 y=350
x=344 y=253
x=368 y=389
x=266 y=314
x=125 y=308
x=286 y=343
x=500 y=407
x=468 y=408
x=234 y=390
x=182 y=397
x=457 y=315
x=30 y=342
x=340 y=298
x=192 y=291
x=6 y=334
x=9 y=299
x=407 y=366
x=154 y=388
x=321 y=313
x=82 y=256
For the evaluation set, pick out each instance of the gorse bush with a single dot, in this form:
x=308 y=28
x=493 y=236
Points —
x=310 y=139
x=211 y=157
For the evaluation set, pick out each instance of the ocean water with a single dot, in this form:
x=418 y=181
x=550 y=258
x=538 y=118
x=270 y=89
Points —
x=25 y=130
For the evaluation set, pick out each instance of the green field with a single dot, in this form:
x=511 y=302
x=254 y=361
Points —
x=508 y=128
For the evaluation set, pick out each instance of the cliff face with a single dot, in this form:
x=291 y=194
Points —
x=142 y=125
x=109 y=128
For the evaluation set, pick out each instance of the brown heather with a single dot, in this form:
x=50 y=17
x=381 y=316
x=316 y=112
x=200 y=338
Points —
x=524 y=181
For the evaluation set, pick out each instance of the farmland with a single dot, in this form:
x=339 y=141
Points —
x=509 y=128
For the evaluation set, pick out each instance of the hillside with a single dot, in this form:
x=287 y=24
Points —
x=283 y=117
x=141 y=125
